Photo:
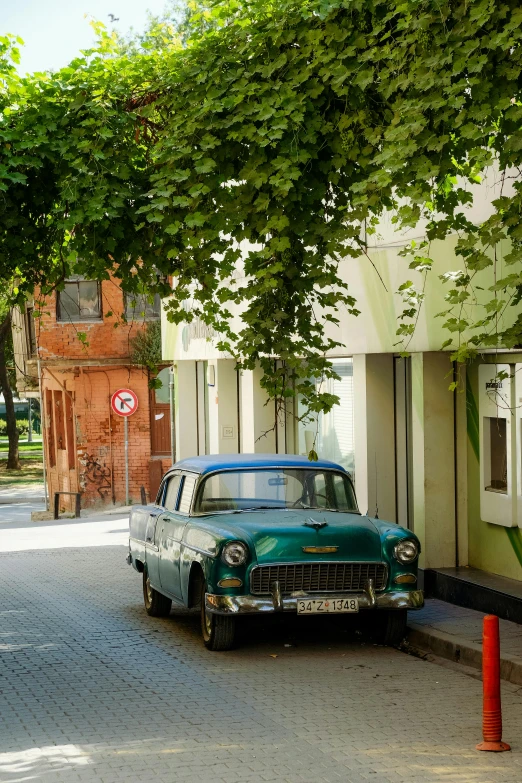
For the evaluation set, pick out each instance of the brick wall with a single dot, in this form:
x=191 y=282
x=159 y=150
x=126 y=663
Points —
x=108 y=339
x=85 y=440
x=96 y=437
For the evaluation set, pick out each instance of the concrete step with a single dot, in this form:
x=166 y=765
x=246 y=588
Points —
x=455 y=633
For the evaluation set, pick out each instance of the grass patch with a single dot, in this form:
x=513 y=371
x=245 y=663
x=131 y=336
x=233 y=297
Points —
x=35 y=446
x=31 y=473
x=23 y=454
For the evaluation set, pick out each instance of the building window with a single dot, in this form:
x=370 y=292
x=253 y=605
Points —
x=30 y=331
x=138 y=307
x=331 y=435
x=496 y=456
x=80 y=300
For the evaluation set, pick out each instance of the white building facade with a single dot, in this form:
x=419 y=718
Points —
x=405 y=438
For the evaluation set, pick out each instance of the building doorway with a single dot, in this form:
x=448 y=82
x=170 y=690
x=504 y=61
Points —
x=332 y=434
x=160 y=435
x=403 y=442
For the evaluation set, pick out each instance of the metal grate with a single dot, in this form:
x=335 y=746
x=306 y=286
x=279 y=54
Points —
x=318 y=577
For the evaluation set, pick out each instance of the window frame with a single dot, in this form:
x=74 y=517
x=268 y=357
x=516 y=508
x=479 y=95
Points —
x=82 y=318
x=173 y=477
x=128 y=298
x=195 y=477
x=501 y=425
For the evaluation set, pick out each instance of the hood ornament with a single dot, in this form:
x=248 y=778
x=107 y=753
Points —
x=316 y=525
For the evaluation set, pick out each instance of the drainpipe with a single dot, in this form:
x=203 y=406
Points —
x=455 y=465
x=43 y=423
x=172 y=417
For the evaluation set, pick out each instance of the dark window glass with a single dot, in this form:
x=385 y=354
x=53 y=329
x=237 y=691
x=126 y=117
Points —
x=161 y=493
x=496 y=455
x=30 y=331
x=138 y=307
x=79 y=301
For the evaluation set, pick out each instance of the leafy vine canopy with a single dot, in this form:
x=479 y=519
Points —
x=287 y=129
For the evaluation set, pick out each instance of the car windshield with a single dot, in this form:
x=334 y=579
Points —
x=297 y=488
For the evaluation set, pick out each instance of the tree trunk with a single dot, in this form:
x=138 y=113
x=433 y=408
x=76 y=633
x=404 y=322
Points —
x=13 y=460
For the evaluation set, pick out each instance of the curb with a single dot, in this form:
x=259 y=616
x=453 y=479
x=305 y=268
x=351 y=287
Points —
x=422 y=639
x=12 y=501
x=110 y=511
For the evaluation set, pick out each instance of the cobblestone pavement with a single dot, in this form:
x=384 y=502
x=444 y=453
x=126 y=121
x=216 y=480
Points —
x=91 y=689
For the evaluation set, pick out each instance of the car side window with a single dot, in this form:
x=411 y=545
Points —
x=172 y=494
x=187 y=491
x=161 y=493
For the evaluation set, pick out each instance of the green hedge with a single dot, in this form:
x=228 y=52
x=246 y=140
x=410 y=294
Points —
x=21 y=424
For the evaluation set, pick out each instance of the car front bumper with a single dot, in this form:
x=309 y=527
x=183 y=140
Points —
x=254 y=604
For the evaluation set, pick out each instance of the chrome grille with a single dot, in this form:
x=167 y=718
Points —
x=318 y=577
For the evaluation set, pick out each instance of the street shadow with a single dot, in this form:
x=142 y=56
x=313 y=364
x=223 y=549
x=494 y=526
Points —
x=284 y=630
x=14 y=524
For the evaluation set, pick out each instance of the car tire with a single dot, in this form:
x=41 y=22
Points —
x=218 y=631
x=390 y=628
x=156 y=604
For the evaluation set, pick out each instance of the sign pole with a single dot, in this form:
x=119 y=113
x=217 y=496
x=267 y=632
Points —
x=126 y=437
x=124 y=402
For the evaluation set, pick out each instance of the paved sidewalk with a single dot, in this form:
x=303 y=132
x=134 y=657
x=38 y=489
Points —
x=19 y=513
x=455 y=633
x=21 y=535
x=107 y=511
x=22 y=493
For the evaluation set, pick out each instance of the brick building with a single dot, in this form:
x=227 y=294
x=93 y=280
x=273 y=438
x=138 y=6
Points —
x=81 y=351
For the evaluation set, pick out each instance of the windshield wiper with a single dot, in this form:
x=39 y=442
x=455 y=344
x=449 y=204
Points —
x=307 y=506
x=259 y=508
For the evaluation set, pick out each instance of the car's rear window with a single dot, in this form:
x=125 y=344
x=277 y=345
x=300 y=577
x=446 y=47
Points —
x=298 y=488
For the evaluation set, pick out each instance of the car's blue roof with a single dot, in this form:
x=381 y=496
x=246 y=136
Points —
x=212 y=462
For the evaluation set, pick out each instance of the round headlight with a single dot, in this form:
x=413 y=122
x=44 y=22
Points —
x=235 y=553
x=406 y=551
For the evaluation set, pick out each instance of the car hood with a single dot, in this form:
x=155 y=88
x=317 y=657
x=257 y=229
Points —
x=280 y=535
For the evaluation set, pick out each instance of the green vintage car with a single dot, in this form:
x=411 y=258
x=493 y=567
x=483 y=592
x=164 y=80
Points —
x=252 y=533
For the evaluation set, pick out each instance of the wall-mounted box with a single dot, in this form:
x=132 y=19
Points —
x=498 y=445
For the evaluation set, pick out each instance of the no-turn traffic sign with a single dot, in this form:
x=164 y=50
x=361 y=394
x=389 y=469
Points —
x=124 y=402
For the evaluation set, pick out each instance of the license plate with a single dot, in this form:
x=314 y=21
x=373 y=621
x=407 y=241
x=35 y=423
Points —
x=327 y=605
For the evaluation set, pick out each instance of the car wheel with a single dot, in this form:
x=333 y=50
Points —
x=390 y=626
x=219 y=631
x=156 y=604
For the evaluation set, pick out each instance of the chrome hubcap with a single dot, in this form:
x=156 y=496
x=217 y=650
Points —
x=149 y=591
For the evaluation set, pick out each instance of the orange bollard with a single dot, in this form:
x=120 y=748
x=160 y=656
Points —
x=492 y=710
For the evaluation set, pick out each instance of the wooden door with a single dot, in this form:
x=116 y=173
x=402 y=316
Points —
x=160 y=416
